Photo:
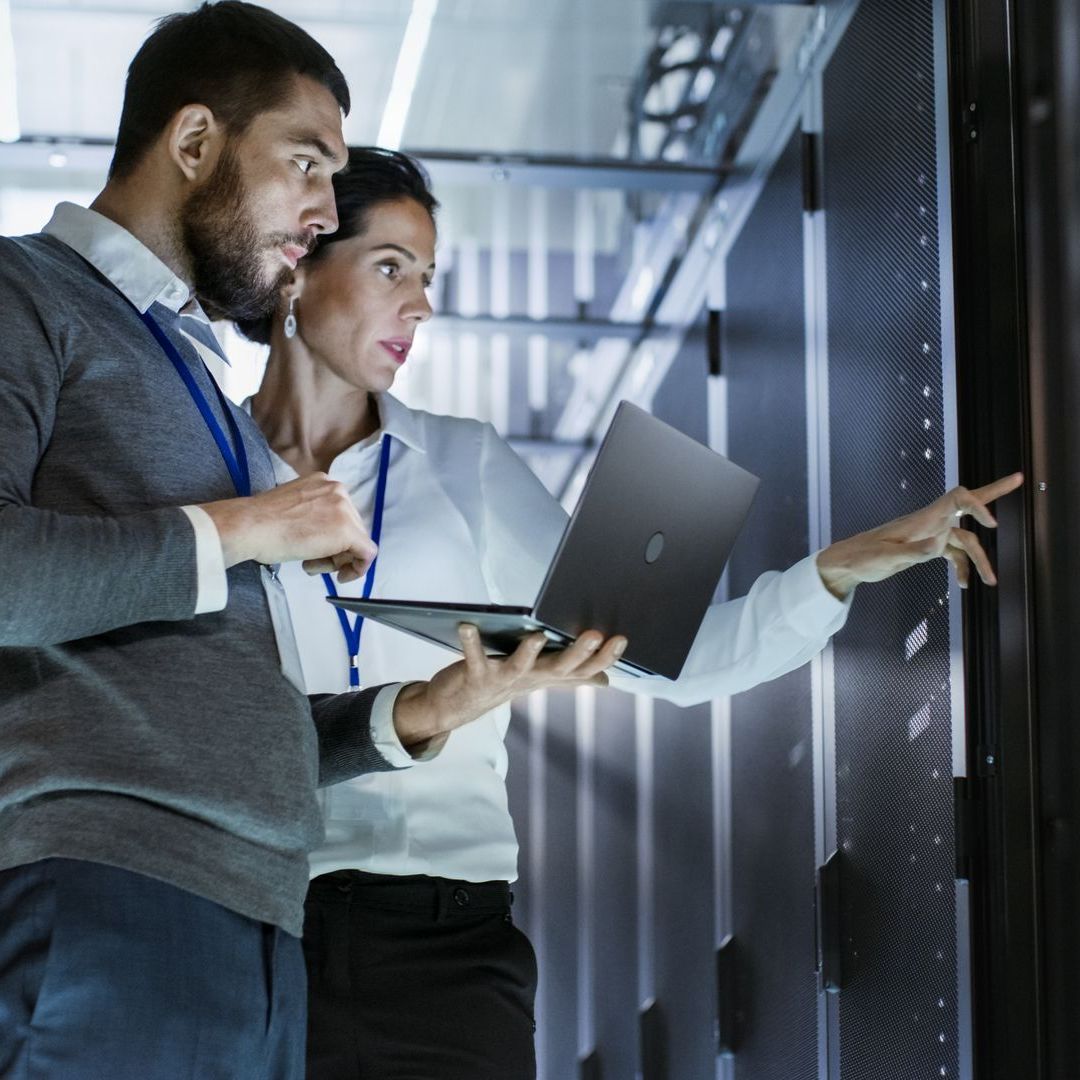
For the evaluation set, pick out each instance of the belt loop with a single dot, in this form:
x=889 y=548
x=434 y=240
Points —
x=443 y=904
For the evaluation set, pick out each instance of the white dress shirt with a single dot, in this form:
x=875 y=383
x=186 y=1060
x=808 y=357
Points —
x=466 y=520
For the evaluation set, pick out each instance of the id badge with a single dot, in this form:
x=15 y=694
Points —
x=288 y=653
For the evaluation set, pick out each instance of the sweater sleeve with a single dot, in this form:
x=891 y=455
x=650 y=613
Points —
x=347 y=739
x=68 y=576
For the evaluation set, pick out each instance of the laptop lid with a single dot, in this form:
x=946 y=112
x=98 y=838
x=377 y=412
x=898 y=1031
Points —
x=644 y=551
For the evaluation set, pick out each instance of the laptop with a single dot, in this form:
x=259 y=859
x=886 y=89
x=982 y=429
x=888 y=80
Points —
x=641 y=555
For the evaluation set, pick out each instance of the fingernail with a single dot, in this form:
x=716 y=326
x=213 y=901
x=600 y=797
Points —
x=592 y=644
x=620 y=648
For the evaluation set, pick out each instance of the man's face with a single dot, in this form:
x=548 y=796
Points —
x=269 y=196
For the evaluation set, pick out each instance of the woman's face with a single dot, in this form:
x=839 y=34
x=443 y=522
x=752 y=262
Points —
x=359 y=305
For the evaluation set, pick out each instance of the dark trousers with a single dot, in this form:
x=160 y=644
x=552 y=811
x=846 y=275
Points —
x=416 y=978
x=110 y=975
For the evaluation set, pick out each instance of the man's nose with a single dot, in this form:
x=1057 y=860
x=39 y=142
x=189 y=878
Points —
x=322 y=217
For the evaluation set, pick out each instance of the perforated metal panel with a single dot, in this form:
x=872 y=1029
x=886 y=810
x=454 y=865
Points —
x=685 y=980
x=557 y=892
x=772 y=726
x=615 y=859
x=894 y=807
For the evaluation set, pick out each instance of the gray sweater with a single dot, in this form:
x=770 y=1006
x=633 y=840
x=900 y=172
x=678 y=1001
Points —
x=131 y=732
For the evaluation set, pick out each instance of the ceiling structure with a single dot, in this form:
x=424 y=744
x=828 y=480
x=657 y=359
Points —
x=577 y=147
x=497 y=75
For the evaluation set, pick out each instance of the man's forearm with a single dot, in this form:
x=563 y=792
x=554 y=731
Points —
x=69 y=576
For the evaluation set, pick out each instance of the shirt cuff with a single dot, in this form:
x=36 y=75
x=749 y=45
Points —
x=807 y=604
x=385 y=737
x=212 y=592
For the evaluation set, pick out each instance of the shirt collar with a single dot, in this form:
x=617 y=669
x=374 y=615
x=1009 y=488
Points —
x=401 y=422
x=127 y=262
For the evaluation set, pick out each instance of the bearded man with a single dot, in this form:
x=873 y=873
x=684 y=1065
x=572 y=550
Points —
x=158 y=760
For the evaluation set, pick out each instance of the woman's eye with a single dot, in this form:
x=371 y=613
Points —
x=388 y=269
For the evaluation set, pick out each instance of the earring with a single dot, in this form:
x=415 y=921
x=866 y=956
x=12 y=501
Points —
x=290 y=320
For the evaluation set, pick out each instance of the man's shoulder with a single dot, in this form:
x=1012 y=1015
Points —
x=27 y=261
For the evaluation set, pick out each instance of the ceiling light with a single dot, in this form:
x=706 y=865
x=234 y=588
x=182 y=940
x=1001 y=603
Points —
x=406 y=72
x=643 y=288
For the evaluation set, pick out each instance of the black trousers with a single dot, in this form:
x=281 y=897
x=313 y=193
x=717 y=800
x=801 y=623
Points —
x=416 y=978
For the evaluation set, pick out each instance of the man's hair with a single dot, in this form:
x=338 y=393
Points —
x=373 y=176
x=237 y=59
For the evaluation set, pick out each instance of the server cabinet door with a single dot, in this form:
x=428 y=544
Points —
x=772 y=727
x=899 y=1013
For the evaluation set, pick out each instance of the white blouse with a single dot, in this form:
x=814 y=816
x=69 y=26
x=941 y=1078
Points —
x=466 y=520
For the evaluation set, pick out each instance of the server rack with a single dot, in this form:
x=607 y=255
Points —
x=815 y=859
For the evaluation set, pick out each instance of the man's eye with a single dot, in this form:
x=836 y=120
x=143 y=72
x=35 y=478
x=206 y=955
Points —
x=304 y=165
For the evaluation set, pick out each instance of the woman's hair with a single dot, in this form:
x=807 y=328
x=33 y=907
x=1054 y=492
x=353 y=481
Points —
x=373 y=176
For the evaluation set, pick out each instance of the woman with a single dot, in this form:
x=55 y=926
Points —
x=415 y=966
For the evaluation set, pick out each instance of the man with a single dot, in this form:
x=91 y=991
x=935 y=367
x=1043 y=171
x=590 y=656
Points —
x=158 y=764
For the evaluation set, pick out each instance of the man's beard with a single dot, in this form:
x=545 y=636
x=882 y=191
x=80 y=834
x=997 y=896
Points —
x=226 y=250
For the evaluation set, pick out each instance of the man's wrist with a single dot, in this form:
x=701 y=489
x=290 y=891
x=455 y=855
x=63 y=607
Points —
x=224 y=516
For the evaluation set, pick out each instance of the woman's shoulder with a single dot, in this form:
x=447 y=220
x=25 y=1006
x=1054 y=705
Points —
x=430 y=426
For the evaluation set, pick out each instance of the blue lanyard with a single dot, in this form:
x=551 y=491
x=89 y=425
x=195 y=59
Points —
x=353 y=630
x=236 y=462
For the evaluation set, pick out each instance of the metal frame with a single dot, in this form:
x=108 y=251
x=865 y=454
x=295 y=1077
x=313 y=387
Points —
x=943 y=96
x=446 y=167
x=1048 y=88
x=992 y=404
x=819 y=502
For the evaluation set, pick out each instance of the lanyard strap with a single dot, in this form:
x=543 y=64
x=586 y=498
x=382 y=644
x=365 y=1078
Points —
x=236 y=462
x=353 y=630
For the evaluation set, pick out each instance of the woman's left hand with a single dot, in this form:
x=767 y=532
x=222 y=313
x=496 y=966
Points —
x=479 y=683
x=930 y=533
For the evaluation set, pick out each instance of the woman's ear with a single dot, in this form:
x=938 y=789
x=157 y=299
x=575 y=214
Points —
x=194 y=140
x=295 y=289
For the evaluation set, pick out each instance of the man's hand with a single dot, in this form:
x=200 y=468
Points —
x=929 y=533
x=312 y=519
x=479 y=683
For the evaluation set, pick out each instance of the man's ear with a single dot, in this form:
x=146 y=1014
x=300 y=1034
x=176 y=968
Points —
x=194 y=140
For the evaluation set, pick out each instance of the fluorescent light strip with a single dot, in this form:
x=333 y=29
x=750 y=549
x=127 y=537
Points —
x=9 y=108
x=500 y=251
x=584 y=247
x=538 y=254
x=405 y=73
